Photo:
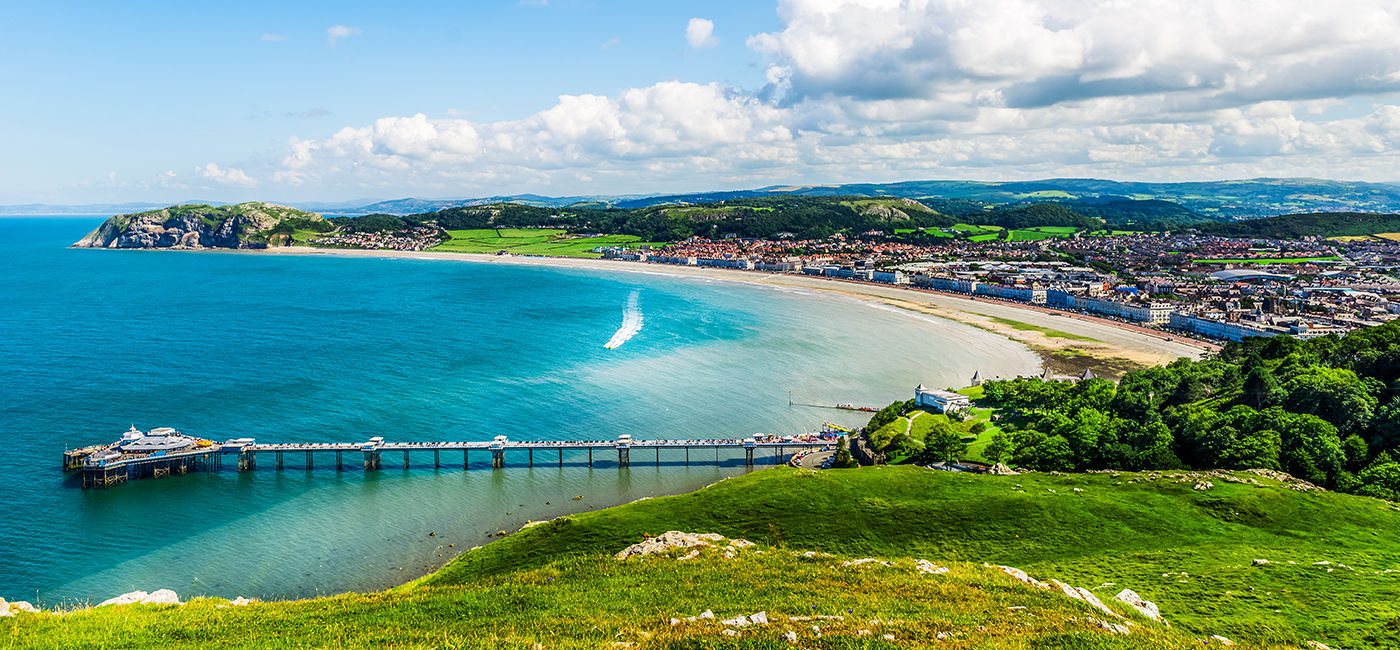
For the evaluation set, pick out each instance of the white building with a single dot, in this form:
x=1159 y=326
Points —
x=941 y=400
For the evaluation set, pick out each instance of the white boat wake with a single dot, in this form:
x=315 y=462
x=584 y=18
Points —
x=631 y=323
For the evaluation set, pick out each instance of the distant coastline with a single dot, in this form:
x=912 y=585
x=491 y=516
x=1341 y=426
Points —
x=1065 y=342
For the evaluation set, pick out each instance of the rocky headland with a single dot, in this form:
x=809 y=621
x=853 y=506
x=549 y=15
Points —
x=242 y=226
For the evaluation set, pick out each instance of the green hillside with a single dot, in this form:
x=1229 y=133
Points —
x=1329 y=574
x=1321 y=224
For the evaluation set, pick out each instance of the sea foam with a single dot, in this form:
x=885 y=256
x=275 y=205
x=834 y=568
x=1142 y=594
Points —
x=631 y=322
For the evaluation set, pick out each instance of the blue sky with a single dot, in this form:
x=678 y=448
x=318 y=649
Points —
x=165 y=101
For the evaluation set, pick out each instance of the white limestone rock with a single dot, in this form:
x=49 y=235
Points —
x=924 y=566
x=157 y=597
x=1145 y=607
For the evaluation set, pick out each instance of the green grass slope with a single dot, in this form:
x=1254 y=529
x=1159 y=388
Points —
x=556 y=584
x=1188 y=550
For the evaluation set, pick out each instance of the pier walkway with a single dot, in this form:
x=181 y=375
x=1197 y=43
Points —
x=116 y=463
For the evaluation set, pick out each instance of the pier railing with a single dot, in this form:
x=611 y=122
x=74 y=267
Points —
x=106 y=469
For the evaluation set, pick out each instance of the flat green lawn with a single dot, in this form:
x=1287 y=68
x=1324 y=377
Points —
x=1042 y=232
x=974 y=228
x=529 y=242
x=1027 y=327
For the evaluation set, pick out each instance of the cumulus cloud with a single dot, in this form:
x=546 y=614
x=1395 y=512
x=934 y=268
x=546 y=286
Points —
x=274 y=37
x=337 y=32
x=700 y=32
x=899 y=89
x=231 y=176
x=1031 y=53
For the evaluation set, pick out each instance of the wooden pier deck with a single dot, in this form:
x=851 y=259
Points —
x=104 y=471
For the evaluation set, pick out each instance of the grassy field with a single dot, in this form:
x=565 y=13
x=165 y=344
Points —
x=1042 y=232
x=1190 y=551
x=1027 y=327
x=529 y=242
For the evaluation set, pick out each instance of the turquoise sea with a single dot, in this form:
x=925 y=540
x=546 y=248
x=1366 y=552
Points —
x=292 y=348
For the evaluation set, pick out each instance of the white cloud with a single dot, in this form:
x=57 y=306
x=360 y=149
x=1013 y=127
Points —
x=700 y=32
x=231 y=176
x=337 y=32
x=897 y=89
x=610 y=43
x=274 y=37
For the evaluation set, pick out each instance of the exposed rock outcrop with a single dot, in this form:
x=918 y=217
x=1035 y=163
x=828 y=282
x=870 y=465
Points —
x=674 y=539
x=157 y=597
x=242 y=226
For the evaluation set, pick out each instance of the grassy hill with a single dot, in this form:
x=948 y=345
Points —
x=1322 y=224
x=254 y=224
x=1189 y=550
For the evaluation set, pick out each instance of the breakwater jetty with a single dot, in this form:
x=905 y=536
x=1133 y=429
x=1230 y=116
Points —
x=160 y=453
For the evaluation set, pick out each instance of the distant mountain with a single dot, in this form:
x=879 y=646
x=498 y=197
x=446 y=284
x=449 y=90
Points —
x=1116 y=202
x=42 y=209
x=1215 y=200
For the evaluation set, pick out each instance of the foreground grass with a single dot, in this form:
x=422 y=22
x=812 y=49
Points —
x=556 y=584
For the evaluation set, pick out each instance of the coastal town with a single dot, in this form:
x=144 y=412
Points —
x=1201 y=286
x=1207 y=287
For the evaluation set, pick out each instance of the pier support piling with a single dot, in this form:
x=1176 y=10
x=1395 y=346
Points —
x=748 y=456
x=532 y=458
x=279 y=461
x=339 y=464
x=590 y=458
x=623 y=457
x=498 y=458
x=309 y=461
x=436 y=463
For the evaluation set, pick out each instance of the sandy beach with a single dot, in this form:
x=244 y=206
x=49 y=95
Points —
x=1068 y=342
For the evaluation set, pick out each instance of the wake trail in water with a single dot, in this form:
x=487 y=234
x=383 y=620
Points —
x=631 y=322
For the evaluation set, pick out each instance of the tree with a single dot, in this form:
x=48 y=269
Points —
x=1356 y=451
x=1039 y=451
x=1253 y=450
x=1381 y=480
x=885 y=416
x=843 y=454
x=1333 y=394
x=1261 y=389
x=944 y=444
x=998 y=450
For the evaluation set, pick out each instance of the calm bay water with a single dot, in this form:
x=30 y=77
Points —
x=292 y=349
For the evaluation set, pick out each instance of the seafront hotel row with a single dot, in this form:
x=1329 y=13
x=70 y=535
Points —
x=1049 y=284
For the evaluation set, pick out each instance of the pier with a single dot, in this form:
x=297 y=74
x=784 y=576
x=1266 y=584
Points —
x=165 y=452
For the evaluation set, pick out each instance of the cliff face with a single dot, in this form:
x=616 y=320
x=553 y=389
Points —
x=246 y=225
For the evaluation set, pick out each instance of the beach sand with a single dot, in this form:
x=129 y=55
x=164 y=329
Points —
x=1068 y=342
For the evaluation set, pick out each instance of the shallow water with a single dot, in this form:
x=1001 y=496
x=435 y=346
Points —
x=292 y=349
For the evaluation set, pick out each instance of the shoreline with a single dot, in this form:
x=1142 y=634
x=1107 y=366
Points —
x=1065 y=341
